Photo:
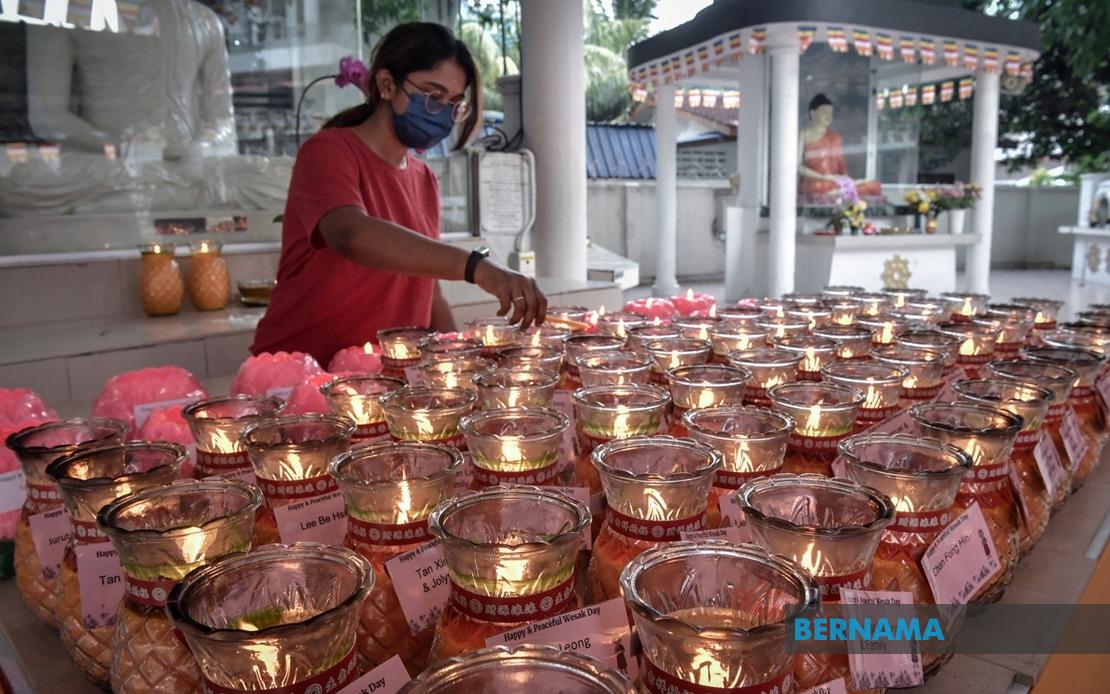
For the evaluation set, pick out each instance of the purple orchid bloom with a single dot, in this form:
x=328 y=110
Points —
x=352 y=71
x=848 y=190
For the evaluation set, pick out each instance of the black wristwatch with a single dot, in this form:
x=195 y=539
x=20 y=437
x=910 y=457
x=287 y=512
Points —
x=476 y=256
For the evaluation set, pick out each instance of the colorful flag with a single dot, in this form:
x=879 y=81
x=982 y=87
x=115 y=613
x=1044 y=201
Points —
x=909 y=53
x=880 y=100
x=805 y=37
x=967 y=86
x=946 y=90
x=756 y=41
x=862 y=40
x=654 y=69
x=990 y=60
x=1013 y=63
x=17 y=152
x=838 y=39
x=691 y=64
x=884 y=43
x=971 y=57
x=895 y=99
x=719 y=51
x=667 y=79
x=928 y=51
x=709 y=98
x=676 y=67
x=730 y=99
x=1027 y=72
x=910 y=92
x=928 y=94
x=951 y=54
x=703 y=57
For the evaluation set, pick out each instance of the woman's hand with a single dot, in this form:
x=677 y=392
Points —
x=514 y=291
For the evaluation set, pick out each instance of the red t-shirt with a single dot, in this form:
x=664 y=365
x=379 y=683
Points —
x=324 y=302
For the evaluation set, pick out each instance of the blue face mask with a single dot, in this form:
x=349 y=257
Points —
x=417 y=128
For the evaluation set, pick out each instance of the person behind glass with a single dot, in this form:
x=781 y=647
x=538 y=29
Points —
x=360 y=249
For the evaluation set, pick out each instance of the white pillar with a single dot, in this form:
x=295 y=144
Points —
x=782 y=45
x=984 y=137
x=554 y=117
x=666 y=192
x=751 y=129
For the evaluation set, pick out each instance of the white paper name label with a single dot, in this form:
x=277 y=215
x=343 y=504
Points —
x=387 y=678
x=581 y=494
x=1048 y=462
x=50 y=533
x=837 y=686
x=875 y=668
x=422 y=585
x=13 y=490
x=282 y=392
x=320 y=519
x=730 y=533
x=1075 y=441
x=961 y=560
x=414 y=375
x=100 y=579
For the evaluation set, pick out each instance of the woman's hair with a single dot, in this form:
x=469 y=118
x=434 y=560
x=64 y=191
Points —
x=818 y=101
x=409 y=48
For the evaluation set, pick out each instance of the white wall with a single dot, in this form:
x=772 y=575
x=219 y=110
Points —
x=1025 y=222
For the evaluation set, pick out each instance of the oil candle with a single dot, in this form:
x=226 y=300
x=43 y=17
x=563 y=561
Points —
x=881 y=385
x=803 y=299
x=358 y=399
x=579 y=346
x=572 y=315
x=457 y=373
x=401 y=349
x=618 y=323
x=927 y=312
x=840 y=291
x=899 y=297
x=738 y=316
x=778 y=328
x=731 y=338
x=772 y=308
x=278 y=617
x=768 y=368
x=702 y=629
x=657 y=488
x=36 y=576
x=389 y=490
x=976 y=346
x=1016 y=324
x=696 y=327
x=843 y=311
x=812 y=315
x=815 y=352
x=963 y=306
x=437 y=349
x=216 y=425
x=614 y=368
x=493 y=333
x=987 y=435
x=852 y=341
x=673 y=353
x=871 y=304
x=823 y=413
x=517 y=387
x=884 y=328
x=933 y=341
x=639 y=336
x=539 y=357
x=706 y=385
x=751 y=441
x=544 y=336
x=831 y=527
x=1047 y=311
x=925 y=370
x=511 y=554
x=428 y=414
x=516 y=445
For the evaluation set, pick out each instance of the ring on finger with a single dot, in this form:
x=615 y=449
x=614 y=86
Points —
x=517 y=298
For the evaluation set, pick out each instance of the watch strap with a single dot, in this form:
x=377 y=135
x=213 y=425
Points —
x=476 y=256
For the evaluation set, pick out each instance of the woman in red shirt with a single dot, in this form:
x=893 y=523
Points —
x=360 y=247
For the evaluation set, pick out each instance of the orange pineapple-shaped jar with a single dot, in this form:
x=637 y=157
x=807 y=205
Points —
x=209 y=282
x=160 y=286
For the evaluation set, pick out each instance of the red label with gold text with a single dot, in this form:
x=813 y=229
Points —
x=877 y=414
x=150 y=593
x=1027 y=439
x=492 y=478
x=387 y=534
x=658 y=681
x=298 y=489
x=830 y=585
x=331 y=680
x=990 y=472
x=734 y=479
x=813 y=444
x=373 y=430
x=924 y=393
x=209 y=463
x=653 y=530
x=87 y=532
x=921 y=521
x=43 y=497
x=522 y=608
x=398 y=364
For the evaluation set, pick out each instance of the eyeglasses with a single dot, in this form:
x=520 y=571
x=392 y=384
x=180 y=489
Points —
x=433 y=105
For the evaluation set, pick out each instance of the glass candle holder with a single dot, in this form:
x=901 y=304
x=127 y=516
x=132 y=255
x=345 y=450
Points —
x=840 y=291
x=614 y=368
x=707 y=385
x=976 y=346
x=963 y=306
x=934 y=341
x=208 y=281
x=508 y=670
x=543 y=336
x=696 y=327
x=578 y=318
x=924 y=370
x=516 y=445
x=772 y=308
x=437 y=349
x=358 y=398
x=1059 y=380
x=458 y=373
x=675 y=353
x=899 y=297
x=804 y=298
x=883 y=328
x=733 y=338
x=389 y=490
x=494 y=333
x=161 y=288
x=89 y=479
x=1083 y=402
x=1072 y=335
x=161 y=534
x=605 y=413
x=815 y=352
x=639 y=336
x=532 y=357
x=279 y=617
x=36 y=575
x=511 y=554
x=813 y=316
x=740 y=316
x=401 y=349
x=752 y=444
x=579 y=346
x=831 y=527
x=852 y=341
x=290 y=459
x=1046 y=311
x=1030 y=402
x=618 y=323
x=987 y=435
x=711 y=616
x=823 y=414
x=216 y=425
x=657 y=487
x=928 y=312
x=516 y=387
x=881 y=385
x=871 y=304
x=1017 y=323
x=430 y=415
x=843 y=310
x=778 y=328
x=768 y=367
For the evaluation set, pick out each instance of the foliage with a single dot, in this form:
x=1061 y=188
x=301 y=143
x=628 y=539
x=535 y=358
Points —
x=851 y=215
x=956 y=196
x=488 y=55
x=379 y=16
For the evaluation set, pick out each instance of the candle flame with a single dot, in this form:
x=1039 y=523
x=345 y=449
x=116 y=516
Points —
x=813 y=420
x=874 y=398
x=708 y=670
x=192 y=545
x=812 y=559
x=910 y=382
x=601 y=311
x=649 y=303
x=812 y=363
x=967 y=308
x=404 y=502
x=713 y=311
x=368 y=348
x=220 y=442
x=973 y=449
x=886 y=333
x=621 y=422
x=690 y=294
x=657 y=321
x=968 y=348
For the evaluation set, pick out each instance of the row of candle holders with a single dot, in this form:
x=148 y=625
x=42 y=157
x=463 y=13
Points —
x=737 y=419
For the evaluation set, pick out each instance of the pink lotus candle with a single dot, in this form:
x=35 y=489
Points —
x=493 y=333
x=852 y=342
x=673 y=353
x=815 y=352
x=880 y=384
x=400 y=348
x=531 y=357
x=1047 y=311
x=366 y=359
x=614 y=368
x=925 y=369
x=977 y=343
x=840 y=291
x=449 y=349
x=768 y=368
x=884 y=328
x=696 y=327
x=963 y=306
x=823 y=414
x=732 y=337
x=652 y=309
x=934 y=341
x=516 y=387
x=692 y=302
x=900 y=297
x=358 y=399
x=707 y=385
x=783 y=327
x=618 y=323
x=546 y=335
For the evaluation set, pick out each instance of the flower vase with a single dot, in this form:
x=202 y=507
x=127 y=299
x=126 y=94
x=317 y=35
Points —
x=956 y=221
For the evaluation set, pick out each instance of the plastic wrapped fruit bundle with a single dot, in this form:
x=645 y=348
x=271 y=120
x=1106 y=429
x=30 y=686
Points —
x=831 y=527
x=579 y=346
x=43 y=520
x=516 y=387
x=769 y=367
x=823 y=414
x=752 y=443
x=988 y=436
x=307 y=398
x=161 y=534
x=278 y=618
x=523 y=668
x=131 y=395
x=657 y=488
x=712 y=616
x=273 y=374
x=90 y=479
x=517 y=445
x=216 y=425
x=290 y=458
x=706 y=385
x=880 y=384
x=390 y=490
x=511 y=554
x=400 y=349
x=1030 y=402
x=362 y=360
x=357 y=399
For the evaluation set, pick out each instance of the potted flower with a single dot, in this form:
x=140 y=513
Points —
x=922 y=202
x=957 y=198
x=849 y=217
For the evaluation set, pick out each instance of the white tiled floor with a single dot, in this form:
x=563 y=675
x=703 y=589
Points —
x=1005 y=284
